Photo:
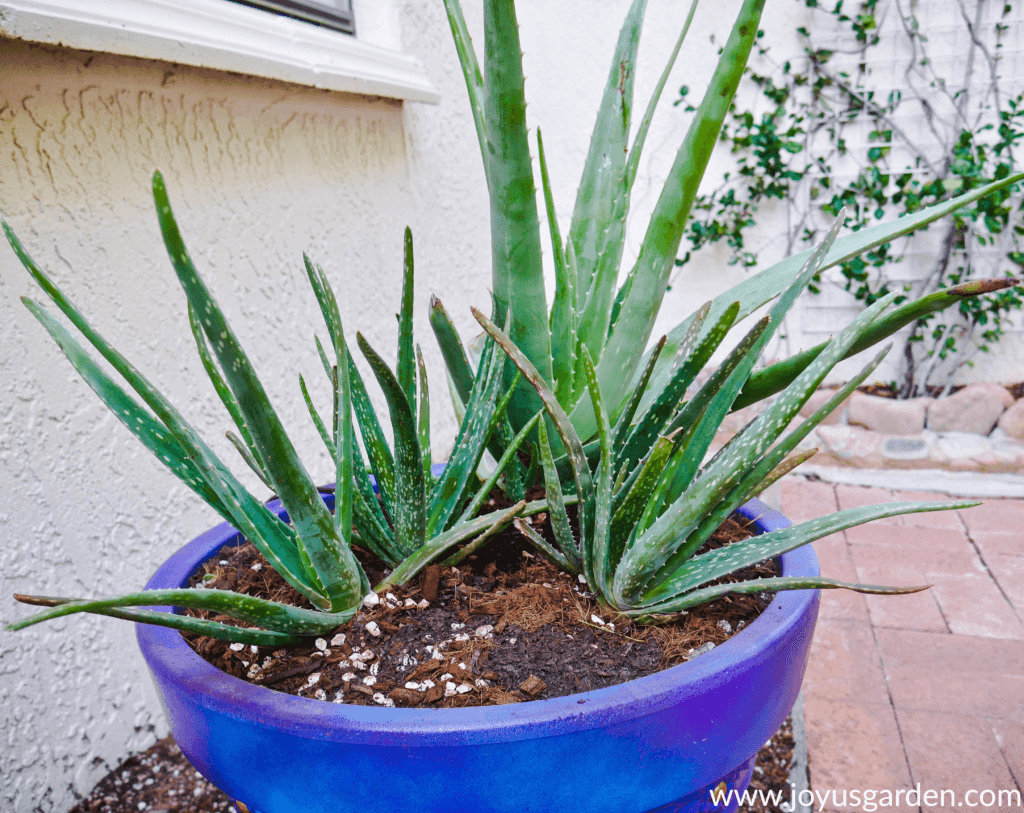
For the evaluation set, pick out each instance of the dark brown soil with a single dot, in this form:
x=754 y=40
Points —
x=504 y=627
x=161 y=779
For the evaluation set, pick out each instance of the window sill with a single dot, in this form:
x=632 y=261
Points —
x=222 y=35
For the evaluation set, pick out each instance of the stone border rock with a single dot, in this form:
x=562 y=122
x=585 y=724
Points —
x=978 y=429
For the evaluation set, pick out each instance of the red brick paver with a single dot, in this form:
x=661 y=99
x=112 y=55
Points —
x=927 y=689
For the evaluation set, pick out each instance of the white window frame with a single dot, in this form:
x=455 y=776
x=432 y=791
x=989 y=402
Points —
x=232 y=37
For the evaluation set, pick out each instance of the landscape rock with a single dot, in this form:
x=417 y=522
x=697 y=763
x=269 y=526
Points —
x=817 y=400
x=1012 y=421
x=888 y=416
x=974 y=409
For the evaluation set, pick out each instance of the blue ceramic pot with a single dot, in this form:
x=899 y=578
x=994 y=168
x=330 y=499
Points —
x=659 y=743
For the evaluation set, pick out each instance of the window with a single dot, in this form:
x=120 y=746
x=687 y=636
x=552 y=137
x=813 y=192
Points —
x=336 y=14
x=235 y=36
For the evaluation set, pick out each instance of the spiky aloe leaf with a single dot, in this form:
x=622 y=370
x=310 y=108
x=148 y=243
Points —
x=460 y=372
x=635 y=495
x=775 y=377
x=382 y=463
x=564 y=316
x=269 y=615
x=560 y=526
x=728 y=559
x=406 y=367
x=546 y=549
x=423 y=416
x=597 y=562
x=721 y=403
x=697 y=597
x=647 y=281
x=439 y=544
x=574 y=447
x=504 y=461
x=602 y=198
x=251 y=454
x=410 y=499
x=665 y=404
x=474 y=432
x=622 y=421
x=517 y=274
x=185 y=623
x=771 y=467
x=471 y=73
x=328 y=560
x=177 y=446
x=246 y=455
x=661 y=545
x=767 y=284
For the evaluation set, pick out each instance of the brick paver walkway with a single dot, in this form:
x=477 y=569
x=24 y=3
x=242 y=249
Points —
x=926 y=688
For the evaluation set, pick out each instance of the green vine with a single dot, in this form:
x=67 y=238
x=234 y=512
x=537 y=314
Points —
x=791 y=129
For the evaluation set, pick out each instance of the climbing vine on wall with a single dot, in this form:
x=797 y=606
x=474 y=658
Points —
x=885 y=120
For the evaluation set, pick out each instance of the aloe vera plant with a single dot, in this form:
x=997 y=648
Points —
x=418 y=518
x=600 y=307
x=649 y=504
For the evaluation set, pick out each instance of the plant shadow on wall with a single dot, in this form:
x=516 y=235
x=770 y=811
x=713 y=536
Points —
x=891 y=107
x=608 y=440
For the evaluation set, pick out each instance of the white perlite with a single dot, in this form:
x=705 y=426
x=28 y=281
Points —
x=373 y=629
x=371 y=600
x=338 y=639
x=320 y=644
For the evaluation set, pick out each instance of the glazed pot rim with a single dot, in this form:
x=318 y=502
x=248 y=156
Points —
x=170 y=658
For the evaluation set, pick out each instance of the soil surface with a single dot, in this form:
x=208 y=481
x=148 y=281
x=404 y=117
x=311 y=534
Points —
x=503 y=627
x=161 y=780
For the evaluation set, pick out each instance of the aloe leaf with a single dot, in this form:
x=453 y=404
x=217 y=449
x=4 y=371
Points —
x=764 y=286
x=564 y=304
x=246 y=456
x=177 y=446
x=329 y=560
x=722 y=402
x=560 y=526
x=377 y=451
x=270 y=615
x=474 y=431
x=154 y=435
x=406 y=367
x=602 y=200
x=328 y=367
x=423 y=417
x=460 y=373
x=471 y=73
x=596 y=549
x=576 y=455
x=664 y=406
x=732 y=464
x=200 y=626
x=250 y=455
x=343 y=455
x=722 y=561
x=707 y=594
x=410 y=500
x=317 y=420
x=648 y=279
x=627 y=510
x=517 y=273
x=548 y=550
x=775 y=377
x=484 y=491
x=437 y=545
x=625 y=419
x=645 y=123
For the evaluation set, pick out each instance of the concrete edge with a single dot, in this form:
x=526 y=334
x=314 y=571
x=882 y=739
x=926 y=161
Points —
x=799 y=771
x=955 y=483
